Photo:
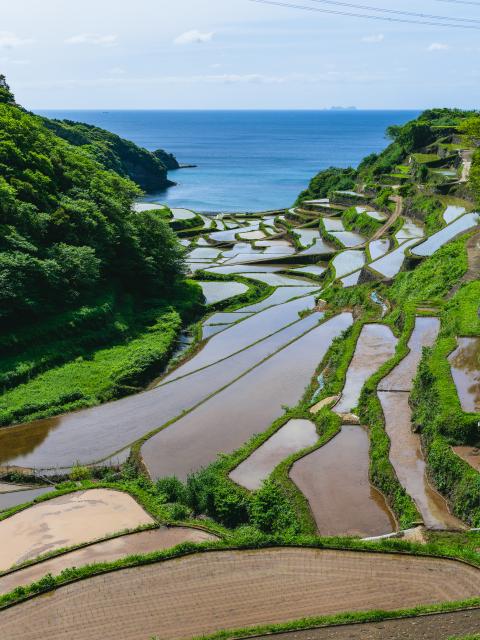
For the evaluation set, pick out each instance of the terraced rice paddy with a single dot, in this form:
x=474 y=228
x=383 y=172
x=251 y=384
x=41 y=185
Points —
x=314 y=270
x=349 y=238
x=277 y=280
x=390 y=264
x=196 y=439
x=375 y=215
x=351 y=280
x=401 y=377
x=453 y=212
x=307 y=236
x=333 y=224
x=218 y=291
x=465 y=366
x=138 y=207
x=471 y=455
x=294 y=436
x=235 y=589
x=379 y=248
x=279 y=296
x=410 y=229
x=437 y=240
x=106 y=551
x=14 y=498
x=318 y=248
x=62 y=522
x=408 y=461
x=376 y=344
x=182 y=214
x=93 y=434
x=348 y=261
x=335 y=481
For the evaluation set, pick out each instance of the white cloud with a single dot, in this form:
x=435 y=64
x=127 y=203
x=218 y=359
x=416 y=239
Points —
x=374 y=39
x=438 y=46
x=109 y=40
x=10 y=40
x=194 y=37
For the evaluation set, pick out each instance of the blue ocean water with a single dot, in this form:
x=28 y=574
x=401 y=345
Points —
x=247 y=160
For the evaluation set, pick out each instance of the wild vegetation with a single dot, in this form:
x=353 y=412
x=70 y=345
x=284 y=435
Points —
x=79 y=270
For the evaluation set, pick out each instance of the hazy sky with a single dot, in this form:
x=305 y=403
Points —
x=227 y=54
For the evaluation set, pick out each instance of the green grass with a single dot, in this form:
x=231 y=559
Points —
x=102 y=374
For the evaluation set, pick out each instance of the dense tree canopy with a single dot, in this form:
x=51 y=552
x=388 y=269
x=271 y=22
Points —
x=67 y=229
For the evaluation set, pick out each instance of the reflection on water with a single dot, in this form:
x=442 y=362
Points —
x=407 y=459
x=335 y=481
x=248 y=406
x=294 y=436
x=93 y=434
x=376 y=344
x=424 y=334
x=465 y=364
x=14 y=498
x=437 y=240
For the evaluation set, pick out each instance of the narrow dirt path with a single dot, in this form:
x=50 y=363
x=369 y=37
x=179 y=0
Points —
x=208 y=592
x=391 y=221
x=435 y=627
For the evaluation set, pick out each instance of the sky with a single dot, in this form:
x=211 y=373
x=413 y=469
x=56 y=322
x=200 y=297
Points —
x=235 y=54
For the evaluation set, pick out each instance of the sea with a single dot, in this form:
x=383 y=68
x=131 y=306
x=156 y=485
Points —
x=247 y=160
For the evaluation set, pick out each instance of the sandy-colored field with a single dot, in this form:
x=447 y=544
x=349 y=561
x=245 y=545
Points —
x=66 y=521
x=205 y=592
x=107 y=551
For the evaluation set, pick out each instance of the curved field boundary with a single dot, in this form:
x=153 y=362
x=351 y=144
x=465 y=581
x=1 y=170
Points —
x=427 y=626
x=105 y=551
x=207 y=592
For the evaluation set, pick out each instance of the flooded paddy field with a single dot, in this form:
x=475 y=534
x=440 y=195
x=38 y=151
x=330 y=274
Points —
x=471 y=455
x=379 y=248
x=197 y=438
x=242 y=335
x=410 y=229
x=348 y=261
x=277 y=280
x=106 y=551
x=61 y=522
x=295 y=435
x=453 y=212
x=376 y=344
x=94 y=434
x=266 y=586
x=401 y=377
x=307 y=236
x=465 y=367
x=14 y=498
x=437 y=240
x=218 y=291
x=408 y=461
x=390 y=264
x=279 y=296
x=349 y=238
x=335 y=481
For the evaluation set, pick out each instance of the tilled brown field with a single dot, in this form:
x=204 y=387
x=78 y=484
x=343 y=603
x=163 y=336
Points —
x=433 y=627
x=206 y=592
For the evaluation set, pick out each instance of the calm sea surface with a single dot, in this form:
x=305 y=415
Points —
x=247 y=160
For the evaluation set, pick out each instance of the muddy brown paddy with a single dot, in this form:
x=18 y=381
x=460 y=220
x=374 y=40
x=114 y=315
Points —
x=66 y=521
x=401 y=377
x=247 y=407
x=376 y=344
x=294 y=436
x=107 y=551
x=335 y=481
x=204 y=593
x=95 y=433
x=465 y=365
x=408 y=461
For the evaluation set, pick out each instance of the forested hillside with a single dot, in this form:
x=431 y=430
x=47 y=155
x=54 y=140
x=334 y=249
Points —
x=79 y=268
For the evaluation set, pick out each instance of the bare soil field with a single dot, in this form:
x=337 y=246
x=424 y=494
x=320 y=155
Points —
x=207 y=592
x=66 y=521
